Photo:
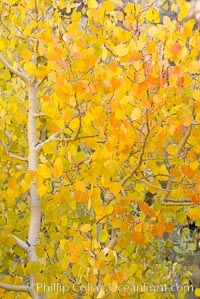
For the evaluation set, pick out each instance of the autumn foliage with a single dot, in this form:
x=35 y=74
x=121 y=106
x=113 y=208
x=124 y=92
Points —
x=117 y=92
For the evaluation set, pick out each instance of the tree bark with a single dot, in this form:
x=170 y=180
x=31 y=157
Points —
x=35 y=213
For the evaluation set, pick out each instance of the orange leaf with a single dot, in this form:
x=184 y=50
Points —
x=12 y=183
x=58 y=168
x=135 y=56
x=142 y=87
x=144 y=207
x=175 y=49
x=80 y=196
x=187 y=171
x=116 y=123
x=152 y=80
x=119 y=210
x=119 y=277
x=74 y=258
x=115 y=187
x=159 y=229
x=138 y=237
x=58 y=197
x=46 y=98
x=115 y=82
x=63 y=63
x=169 y=227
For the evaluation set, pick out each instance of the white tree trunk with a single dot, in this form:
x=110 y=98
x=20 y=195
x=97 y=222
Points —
x=35 y=213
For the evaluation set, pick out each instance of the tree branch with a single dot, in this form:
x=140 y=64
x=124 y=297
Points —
x=113 y=240
x=139 y=161
x=148 y=7
x=171 y=180
x=21 y=243
x=13 y=70
x=150 y=185
x=39 y=146
x=112 y=243
x=177 y=203
x=76 y=138
x=13 y=155
x=10 y=287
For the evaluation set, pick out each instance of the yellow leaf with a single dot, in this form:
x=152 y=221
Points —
x=133 y=268
x=108 y=6
x=49 y=147
x=2 y=45
x=196 y=94
x=194 y=165
x=194 y=213
x=34 y=267
x=26 y=54
x=11 y=241
x=119 y=114
x=92 y=4
x=74 y=124
x=104 y=53
x=197 y=292
x=153 y=31
x=41 y=72
x=41 y=190
x=85 y=228
x=135 y=113
x=76 y=270
x=181 y=217
x=149 y=296
x=152 y=15
x=163 y=170
x=183 y=11
x=103 y=236
x=27 y=30
x=44 y=171
x=172 y=149
x=30 y=67
x=121 y=50
x=58 y=168
x=194 y=67
x=166 y=20
x=115 y=187
x=63 y=242
x=27 y=182
x=79 y=186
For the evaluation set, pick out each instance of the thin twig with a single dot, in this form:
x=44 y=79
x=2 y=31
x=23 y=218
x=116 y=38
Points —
x=38 y=147
x=149 y=184
x=148 y=7
x=13 y=155
x=140 y=160
x=13 y=70
x=181 y=146
x=177 y=204
x=18 y=288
